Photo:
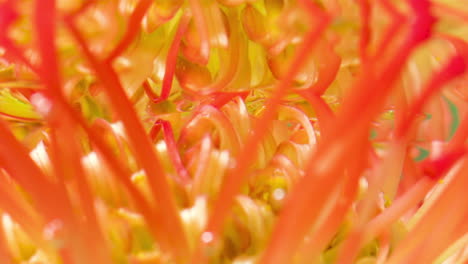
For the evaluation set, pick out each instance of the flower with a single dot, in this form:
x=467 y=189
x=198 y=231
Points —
x=233 y=131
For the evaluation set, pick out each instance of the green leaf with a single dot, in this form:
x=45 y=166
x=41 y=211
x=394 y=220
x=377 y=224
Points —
x=373 y=134
x=455 y=117
x=16 y=108
x=423 y=153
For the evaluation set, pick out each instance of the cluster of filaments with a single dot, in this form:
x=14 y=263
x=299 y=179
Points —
x=233 y=131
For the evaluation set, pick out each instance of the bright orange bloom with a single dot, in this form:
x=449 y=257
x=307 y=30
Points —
x=233 y=131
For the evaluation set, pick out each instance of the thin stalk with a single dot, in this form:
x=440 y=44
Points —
x=171 y=62
x=396 y=25
x=365 y=232
x=324 y=231
x=49 y=77
x=314 y=190
x=365 y=9
x=327 y=71
x=221 y=98
x=230 y=139
x=445 y=233
x=202 y=28
x=142 y=148
x=322 y=110
x=133 y=28
x=66 y=155
x=16 y=161
x=44 y=22
x=237 y=48
x=16 y=53
x=334 y=146
x=443 y=206
x=151 y=215
x=238 y=175
x=454 y=68
x=168 y=134
x=20 y=211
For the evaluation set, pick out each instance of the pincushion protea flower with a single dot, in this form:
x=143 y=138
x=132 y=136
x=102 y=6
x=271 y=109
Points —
x=233 y=131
